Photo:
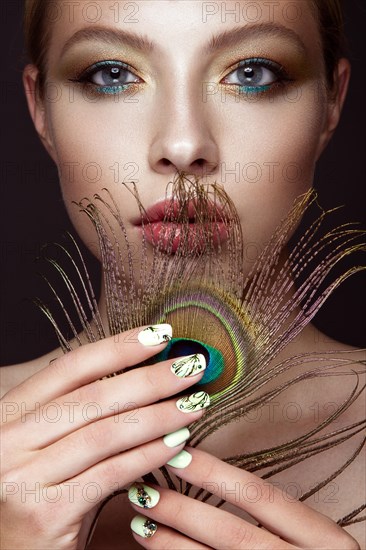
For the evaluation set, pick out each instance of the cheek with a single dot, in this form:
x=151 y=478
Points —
x=95 y=150
x=271 y=160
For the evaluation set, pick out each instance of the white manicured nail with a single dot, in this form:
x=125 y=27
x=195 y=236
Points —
x=176 y=438
x=143 y=526
x=181 y=460
x=155 y=335
x=189 y=366
x=143 y=496
x=194 y=402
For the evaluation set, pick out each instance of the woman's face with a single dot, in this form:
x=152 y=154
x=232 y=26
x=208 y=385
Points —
x=233 y=92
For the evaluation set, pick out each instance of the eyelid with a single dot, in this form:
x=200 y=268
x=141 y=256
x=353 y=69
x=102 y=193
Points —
x=84 y=74
x=273 y=66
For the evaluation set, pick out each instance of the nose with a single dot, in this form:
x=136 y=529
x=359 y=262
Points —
x=183 y=139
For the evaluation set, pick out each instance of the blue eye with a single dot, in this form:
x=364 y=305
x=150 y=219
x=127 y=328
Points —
x=108 y=77
x=256 y=75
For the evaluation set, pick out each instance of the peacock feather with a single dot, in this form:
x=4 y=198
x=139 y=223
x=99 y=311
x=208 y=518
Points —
x=240 y=321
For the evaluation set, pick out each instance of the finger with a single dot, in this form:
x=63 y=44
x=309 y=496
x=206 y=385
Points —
x=277 y=512
x=101 y=480
x=208 y=525
x=81 y=366
x=101 y=399
x=104 y=438
x=156 y=536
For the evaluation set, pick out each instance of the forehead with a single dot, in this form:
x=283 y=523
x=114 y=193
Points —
x=167 y=27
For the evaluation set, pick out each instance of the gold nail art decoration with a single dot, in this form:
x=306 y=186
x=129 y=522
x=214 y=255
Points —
x=143 y=526
x=149 y=528
x=143 y=496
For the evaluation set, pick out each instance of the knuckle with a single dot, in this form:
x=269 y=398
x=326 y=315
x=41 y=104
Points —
x=29 y=500
x=62 y=366
x=96 y=435
x=255 y=491
x=161 y=415
x=153 y=382
x=180 y=507
x=210 y=476
x=69 y=363
x=41 y=518
x=265 y=490
x=91 y=393
x=7 y=440
x=240 y=536
x=118 y=343
x=144 y=457
x=13 y=477
x=110 y=474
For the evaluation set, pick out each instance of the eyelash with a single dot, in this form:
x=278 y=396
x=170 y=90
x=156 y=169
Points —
x=281 y=76
x=86 y=75
x=255 y=62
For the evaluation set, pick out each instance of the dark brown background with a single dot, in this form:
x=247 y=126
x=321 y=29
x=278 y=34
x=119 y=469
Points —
x=33 y=212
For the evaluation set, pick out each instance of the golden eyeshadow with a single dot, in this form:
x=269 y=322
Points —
x=82 y=56
x=298 y=65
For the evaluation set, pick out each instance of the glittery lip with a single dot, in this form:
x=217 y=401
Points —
x=162 y=225
x=169 y=210
x=168 y=236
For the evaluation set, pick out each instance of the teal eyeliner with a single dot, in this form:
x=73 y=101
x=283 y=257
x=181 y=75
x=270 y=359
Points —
x=107 y=89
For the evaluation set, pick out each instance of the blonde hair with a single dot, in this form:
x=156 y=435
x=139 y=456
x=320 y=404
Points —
x=37 y=30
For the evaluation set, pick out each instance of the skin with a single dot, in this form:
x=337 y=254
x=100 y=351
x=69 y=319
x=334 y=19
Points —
x=169 y=127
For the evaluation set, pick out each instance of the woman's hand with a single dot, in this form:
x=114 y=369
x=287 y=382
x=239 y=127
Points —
x=185 y=523
x=69 y=439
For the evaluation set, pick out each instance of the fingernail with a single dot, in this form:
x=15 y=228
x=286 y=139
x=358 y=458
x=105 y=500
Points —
x=143 y=526
x=176 y=438
x=143 y=496
x=156 y=334
x=194 y=402
x=181 y=460
x=189 y=366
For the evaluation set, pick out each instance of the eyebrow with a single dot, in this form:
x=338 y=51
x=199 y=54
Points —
x=110 y=36
x=230 y=38
x=225 y=39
